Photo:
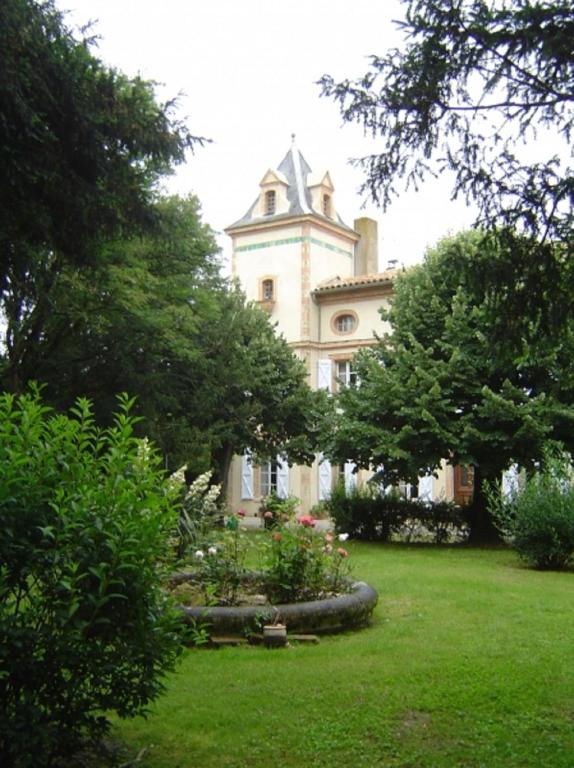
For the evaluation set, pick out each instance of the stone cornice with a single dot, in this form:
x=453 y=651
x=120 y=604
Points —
x=262 y=225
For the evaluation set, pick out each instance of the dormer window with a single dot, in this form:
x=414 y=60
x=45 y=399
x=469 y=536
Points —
x=322 y=190
x=270 y=202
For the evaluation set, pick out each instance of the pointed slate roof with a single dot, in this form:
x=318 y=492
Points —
x=296 y=171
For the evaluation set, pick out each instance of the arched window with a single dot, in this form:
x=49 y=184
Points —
x=327 y=205
x=267 y=290
x=270 y=202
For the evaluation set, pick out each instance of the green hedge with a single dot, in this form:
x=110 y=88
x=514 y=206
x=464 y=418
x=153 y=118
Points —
x=371 y=515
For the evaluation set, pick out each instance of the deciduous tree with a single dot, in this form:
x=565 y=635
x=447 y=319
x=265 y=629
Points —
x=154 y=318
x=439 y=386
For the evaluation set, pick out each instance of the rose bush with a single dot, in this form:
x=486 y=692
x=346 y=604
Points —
x=297 y=562
x=302 y=564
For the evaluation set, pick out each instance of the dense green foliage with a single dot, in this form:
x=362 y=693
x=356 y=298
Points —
x=255 y=393
x=443 y=385
x=122 y=323
x=81 y=148
x=155 y=318
x=104 y=286
x=467 y=662
x=538 y=518
x=370 y=514
x=474 y=81
x=81 y=144
x=85 y=630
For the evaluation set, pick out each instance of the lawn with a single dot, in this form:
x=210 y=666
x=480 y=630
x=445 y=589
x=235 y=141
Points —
x=469 y=661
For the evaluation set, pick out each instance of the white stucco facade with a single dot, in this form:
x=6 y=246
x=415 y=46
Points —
x=319 y=281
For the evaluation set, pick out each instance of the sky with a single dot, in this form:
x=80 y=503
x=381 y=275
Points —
x=245 y=72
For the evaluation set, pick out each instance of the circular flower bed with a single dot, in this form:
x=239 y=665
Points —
x=332 y=614
x=302 y=578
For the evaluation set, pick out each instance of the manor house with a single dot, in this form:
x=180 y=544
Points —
x=319 y=280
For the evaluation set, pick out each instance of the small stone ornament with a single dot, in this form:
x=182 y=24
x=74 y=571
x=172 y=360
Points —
x=275 y=635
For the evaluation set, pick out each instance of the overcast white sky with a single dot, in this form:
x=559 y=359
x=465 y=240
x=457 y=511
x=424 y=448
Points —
x=246 y=71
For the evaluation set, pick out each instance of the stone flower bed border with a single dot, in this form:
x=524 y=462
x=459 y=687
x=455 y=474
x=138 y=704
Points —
x=333 y=614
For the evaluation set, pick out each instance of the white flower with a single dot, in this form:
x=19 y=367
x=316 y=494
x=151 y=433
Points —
x=212 y=551
x=198 y=554
x=343 y=536
x=144 y=450
x=178 y=477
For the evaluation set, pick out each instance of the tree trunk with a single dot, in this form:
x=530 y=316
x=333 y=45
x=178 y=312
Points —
x=224 y=468
x=482 y=528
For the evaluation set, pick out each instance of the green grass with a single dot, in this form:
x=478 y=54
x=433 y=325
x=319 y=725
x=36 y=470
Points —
x=469 y=661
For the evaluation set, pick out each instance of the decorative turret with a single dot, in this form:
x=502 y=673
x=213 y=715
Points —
x=290 y=190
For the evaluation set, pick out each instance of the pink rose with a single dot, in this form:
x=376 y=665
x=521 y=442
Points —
x=343 y=552
x=307 y=521
x=268 y=515
x=329 y=538
x=241 y=513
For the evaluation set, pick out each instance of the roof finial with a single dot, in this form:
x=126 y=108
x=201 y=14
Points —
x=293 y=139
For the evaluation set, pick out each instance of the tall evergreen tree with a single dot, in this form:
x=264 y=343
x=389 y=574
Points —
x=474 y=82
x=81 y=150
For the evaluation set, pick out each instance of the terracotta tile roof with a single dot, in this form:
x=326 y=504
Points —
x=357 y=281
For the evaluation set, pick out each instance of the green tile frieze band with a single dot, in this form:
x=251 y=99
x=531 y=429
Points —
x=292 y=241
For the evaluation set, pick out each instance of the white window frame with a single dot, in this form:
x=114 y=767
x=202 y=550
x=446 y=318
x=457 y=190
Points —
x=274 y=477
x=350 y=476
x=246 y=477
x=426 y=488
x=345 y=374
x=268 y=289
x=408 y=490
x=270 y=202
x=325 y=374
x=325 y=478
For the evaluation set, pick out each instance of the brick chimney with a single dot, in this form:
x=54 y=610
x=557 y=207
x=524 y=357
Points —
x=367 y=249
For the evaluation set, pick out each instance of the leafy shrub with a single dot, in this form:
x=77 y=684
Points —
x=198 y=511
x=302 y=564
x=84 y=626
x=370 y=514
x=275 y=511
x=443 y=520
x=538 y=520
x=367 y=513
x=221 y=566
